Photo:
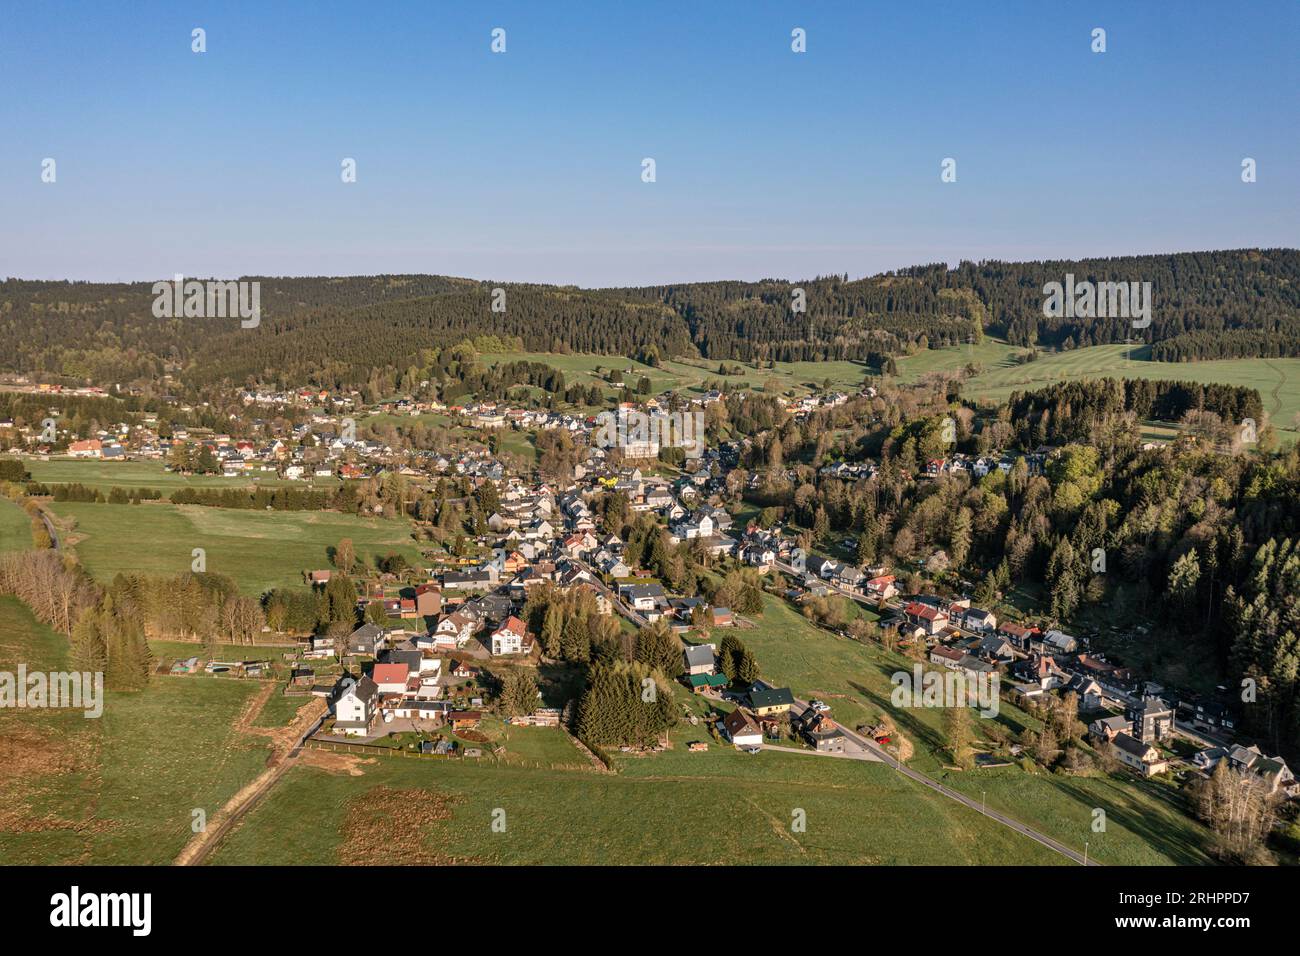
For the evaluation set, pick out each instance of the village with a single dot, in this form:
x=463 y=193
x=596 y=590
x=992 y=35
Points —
x=425 y=671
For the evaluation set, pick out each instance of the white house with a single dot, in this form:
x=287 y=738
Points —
x=356 y=707
x=455 y=629
x=509 y=637
x=741 y=730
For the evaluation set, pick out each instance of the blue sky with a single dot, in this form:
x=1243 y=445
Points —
x=526 y=166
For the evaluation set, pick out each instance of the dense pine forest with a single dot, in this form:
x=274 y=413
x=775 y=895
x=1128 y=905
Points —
x=334 y=331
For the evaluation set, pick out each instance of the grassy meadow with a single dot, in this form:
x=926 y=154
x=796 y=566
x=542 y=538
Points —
x=119 y=789
x=715 y=808
x=1147 y=823
x=258 y=549
x=793 y=377
x=1277 y=380
x=103 y=475
x=15 y=527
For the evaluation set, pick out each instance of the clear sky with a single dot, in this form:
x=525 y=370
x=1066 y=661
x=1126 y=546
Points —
x=526 y=166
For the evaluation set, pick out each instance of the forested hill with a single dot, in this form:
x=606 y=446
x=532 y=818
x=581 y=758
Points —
x=335 y=330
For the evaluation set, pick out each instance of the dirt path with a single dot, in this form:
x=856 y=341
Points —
x=286 y=745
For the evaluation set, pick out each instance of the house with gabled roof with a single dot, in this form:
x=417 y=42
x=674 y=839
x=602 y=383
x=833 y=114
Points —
x=509 y=638
x=741 y=729
x=770 y=701
x=356 y=707
x=1136 y=755
x=700 y=659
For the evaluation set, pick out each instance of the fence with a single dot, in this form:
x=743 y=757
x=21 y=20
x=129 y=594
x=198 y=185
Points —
x=488 y=759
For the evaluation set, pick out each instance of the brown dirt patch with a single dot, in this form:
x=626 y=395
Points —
x=340 y=763
x=33 y=759
x=390 y=826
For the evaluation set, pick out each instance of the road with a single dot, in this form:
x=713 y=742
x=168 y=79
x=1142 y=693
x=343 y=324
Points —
x=882 y=755
x=49 y=526
x=628 y=612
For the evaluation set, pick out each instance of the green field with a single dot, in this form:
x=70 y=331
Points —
x=715 y=808
x=258 y=549
x=120 y=789
x=722 y=806
x=1146 y=820
x=1277 y=380
x=786 y=376
x=15 y=527
x=104 y=475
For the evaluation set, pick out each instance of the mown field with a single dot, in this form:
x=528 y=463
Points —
x=1277 y=380
x=258 y=549
x=104 y=475
x=119 y=789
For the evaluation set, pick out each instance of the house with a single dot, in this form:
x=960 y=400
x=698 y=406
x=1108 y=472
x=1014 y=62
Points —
x=741 y=729
x=1088 y=692
x=1058 y=642
x=366 y=641
x=454 y=630
x=643 y=597
x=1041 y=670
x=509 y=637
x=1251 y=759
x=428 y=600
x=1152 y=719
x=1137 y=755
x=882 y=587
x=1106 y=728
x=484 y=580
x=390 y=678
x=722 y=617
x=699 y=525
x=699 y=659
x=929 y=619
x=1206 y=716
x=820 y=730
x=1019 y=635
x=1208 y=758
x=709 y=684
x=356 y=707
x=996 y=649
x=849 y=577
x=770 y=701
x=979 y=621
x=948 y=657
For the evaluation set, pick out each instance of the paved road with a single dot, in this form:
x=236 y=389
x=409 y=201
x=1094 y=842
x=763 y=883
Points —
x=872 y=747
x=628 y=612
x=860 y=754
